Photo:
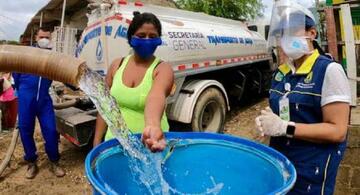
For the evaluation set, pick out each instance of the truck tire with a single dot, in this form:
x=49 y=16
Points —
x=209 y=112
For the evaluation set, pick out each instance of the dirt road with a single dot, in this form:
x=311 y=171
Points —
x=240 y=122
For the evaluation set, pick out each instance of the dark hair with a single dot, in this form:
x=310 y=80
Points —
x=309 y=24
x=139 y=20
x=1 y=85
x=44 y=29
x=317 y=46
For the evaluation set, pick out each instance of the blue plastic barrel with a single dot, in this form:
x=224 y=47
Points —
x=197 y=161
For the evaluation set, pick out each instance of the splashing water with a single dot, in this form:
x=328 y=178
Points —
x=140 y=160
x=146 y=167
x=94 y=86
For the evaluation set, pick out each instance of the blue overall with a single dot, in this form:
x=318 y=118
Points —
x=35 y=101
x=316 y=164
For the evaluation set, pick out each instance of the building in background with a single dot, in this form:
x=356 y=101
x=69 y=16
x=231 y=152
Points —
x=51 y=16
x=68 y=23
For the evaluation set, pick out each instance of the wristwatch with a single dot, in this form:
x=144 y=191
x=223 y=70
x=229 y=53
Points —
x=290 y=130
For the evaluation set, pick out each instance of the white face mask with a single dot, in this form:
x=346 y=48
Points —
x=295 y=47
x=44 y=43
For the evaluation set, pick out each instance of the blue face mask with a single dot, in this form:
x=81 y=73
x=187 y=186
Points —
x=145 y=48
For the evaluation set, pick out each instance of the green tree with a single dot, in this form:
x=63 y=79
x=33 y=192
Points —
x=321 y=24
x=2 y=42
x=232 y=9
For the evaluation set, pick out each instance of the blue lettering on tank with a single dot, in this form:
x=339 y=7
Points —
x=108 y=30
x=121 y=32
x=229 y=40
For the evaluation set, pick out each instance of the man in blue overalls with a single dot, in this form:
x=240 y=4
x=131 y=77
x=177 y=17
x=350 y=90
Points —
x=35 y=101
x=309 y=100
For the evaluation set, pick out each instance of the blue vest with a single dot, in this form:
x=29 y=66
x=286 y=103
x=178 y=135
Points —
x=316 y=164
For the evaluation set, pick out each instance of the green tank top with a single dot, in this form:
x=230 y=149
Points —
x=132 y=100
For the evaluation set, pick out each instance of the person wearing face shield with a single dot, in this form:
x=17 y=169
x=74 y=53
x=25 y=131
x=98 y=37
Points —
x=140 y=84
x=309 y=102
x=34 y=101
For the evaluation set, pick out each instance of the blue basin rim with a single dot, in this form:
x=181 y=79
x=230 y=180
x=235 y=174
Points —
x=95 y=152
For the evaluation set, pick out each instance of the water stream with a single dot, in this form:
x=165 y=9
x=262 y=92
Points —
x=146 y=166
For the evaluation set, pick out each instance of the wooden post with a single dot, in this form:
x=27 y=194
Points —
x=63 y=14
x=41 y=19
x=331 y=32
x=350 y=50
x=31 y=37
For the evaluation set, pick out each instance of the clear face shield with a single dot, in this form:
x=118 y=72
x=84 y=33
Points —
x=287 y=34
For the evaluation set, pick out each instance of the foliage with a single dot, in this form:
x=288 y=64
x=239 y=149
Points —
x=8 y=42
x=232 y=9
x=322 y=21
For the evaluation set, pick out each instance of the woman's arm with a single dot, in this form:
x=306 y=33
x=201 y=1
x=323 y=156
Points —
x=155 y=105
x=333 y=129
x=101 y=126
x=100 y=129
x=334 y=126
x=335 y=99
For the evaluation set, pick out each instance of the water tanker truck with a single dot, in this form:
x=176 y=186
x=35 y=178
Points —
x=215 y=62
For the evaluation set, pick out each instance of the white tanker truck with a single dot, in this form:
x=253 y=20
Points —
x=214 y=60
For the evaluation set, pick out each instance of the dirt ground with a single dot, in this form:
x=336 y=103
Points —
x=240 y=122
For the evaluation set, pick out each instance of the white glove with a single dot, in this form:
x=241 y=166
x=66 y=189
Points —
x=270 y=124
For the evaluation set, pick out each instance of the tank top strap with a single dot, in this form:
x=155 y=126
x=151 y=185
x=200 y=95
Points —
x=148 y=75
x=152 y=67
x=124 y=63
x=155 y=63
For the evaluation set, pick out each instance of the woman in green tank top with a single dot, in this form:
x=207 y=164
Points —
x=140 y=84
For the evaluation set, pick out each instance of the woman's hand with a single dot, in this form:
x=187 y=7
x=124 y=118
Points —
x=153 y=138
x=270 y=124
x=163 y=80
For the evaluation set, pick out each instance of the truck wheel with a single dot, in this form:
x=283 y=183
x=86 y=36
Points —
x=209 y=112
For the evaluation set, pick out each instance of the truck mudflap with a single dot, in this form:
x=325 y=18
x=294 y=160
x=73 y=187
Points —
x=76 y=125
